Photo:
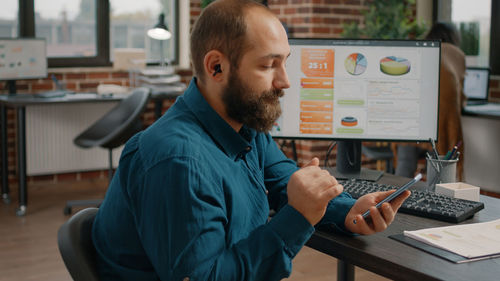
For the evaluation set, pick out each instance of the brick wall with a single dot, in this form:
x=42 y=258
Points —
x=309 y=18
x=317 y=18
x=495 y=88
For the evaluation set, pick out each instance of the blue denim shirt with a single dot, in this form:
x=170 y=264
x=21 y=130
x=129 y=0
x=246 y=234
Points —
x=191 y=198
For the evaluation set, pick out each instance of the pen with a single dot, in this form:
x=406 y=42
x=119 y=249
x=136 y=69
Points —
x=434 y=165
x=428 y=155
x=434 y=150
x=449 y=153
x=454 y=150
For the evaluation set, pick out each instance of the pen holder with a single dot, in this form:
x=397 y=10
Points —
x=441 y=171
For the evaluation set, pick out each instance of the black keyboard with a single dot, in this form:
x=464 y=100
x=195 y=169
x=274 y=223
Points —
x=421 y=203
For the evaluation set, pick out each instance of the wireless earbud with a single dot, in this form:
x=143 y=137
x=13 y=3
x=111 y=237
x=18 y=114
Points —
x=217 y=69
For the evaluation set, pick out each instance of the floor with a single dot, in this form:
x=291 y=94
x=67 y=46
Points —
x=28 y=249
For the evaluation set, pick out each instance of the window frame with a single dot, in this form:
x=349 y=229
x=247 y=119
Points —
x=495 y=38
x=27 y=29
x=103 y=47
x=494 y=57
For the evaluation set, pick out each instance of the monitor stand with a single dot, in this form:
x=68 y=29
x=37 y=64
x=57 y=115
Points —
x=349 y=163
x=363 y=174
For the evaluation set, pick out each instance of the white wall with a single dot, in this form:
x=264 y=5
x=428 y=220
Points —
x=184 y=24
x=482 y=152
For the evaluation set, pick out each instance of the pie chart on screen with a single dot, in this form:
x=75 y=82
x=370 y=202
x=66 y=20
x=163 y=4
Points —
x=395 y=65
x=355 y=64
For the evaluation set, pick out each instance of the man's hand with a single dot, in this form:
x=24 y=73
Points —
x=379 y=219
x=310 y=189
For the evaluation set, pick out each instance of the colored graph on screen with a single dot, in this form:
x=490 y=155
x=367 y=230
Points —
x=316 y=91
x=355 y=64
x=392 y=65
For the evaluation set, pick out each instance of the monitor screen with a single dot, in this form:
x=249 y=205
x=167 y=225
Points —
x=22 y=58
x=476 y=83
x=361 y=89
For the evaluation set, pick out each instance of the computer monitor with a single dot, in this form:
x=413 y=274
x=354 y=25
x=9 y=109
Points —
x=22 y=58
x=476 y=84
x=360 y=90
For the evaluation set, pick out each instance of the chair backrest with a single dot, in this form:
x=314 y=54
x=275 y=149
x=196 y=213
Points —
x=118 y=125
x=76 y=247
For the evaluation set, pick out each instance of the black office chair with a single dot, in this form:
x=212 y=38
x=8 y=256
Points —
x=76 y=246
x=111 y=131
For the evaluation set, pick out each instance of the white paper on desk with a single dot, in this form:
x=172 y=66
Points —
x=468 y=240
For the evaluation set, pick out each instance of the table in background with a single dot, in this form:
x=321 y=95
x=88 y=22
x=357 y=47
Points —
x=19 y=103
x=387 y=257
x=171 y=91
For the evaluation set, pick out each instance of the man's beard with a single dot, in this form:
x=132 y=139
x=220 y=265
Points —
x=246 y=106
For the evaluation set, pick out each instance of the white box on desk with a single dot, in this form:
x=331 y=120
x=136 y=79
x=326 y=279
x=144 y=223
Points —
x=459 y=190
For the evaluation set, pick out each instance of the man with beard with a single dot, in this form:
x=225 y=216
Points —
x=192 y=194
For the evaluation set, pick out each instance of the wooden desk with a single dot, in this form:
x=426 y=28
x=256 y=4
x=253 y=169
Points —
x=20 y=103
x=382 y=255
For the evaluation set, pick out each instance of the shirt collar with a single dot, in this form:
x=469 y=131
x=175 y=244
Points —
x=233 y=143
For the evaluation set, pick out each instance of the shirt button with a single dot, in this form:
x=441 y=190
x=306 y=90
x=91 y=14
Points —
x=248 y=148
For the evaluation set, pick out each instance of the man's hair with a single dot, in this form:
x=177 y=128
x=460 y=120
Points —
x=221 y=26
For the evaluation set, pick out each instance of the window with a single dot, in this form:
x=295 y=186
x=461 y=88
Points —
x=8 y=18
x=131 y=19
x=477 y=27
x=68 y=26
x=79 y=33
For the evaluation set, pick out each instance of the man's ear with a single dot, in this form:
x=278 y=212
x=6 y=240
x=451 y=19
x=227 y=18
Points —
x=215 y=64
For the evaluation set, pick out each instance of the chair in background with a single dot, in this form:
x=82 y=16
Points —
x=111 y=131
x=76 y=246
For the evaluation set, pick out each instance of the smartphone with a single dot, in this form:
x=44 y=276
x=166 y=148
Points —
x=394 y=195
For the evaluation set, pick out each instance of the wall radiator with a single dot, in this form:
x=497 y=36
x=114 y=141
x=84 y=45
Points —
x=50 y=130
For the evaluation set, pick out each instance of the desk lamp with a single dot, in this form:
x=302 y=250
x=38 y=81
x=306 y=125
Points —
x=160 y=32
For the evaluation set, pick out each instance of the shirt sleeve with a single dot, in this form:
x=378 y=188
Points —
x=336 y=211
x=278 y=170
x=182 y=222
